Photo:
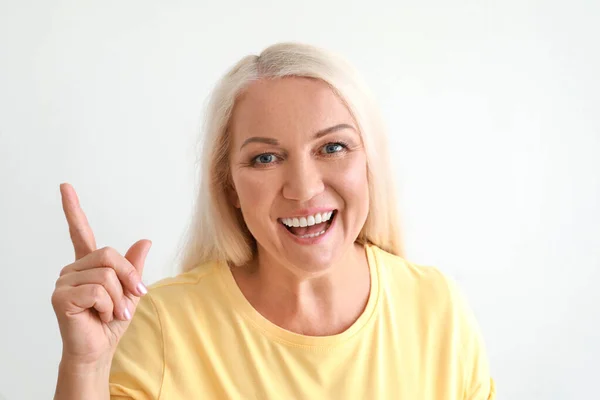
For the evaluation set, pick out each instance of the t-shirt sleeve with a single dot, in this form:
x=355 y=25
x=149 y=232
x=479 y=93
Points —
x=478 y=383
x=138 y=364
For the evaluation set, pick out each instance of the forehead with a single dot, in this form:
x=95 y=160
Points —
x=292 y=105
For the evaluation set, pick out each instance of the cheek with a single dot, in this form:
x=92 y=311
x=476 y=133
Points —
x=350 y=179
x=253 y=190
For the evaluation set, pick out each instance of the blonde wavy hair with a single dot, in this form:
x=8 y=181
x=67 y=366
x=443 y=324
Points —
x=217 y=231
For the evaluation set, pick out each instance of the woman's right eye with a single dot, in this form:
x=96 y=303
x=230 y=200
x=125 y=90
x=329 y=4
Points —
x=263 y=159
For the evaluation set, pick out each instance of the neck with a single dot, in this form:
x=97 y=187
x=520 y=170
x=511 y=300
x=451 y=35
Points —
x=311 y=304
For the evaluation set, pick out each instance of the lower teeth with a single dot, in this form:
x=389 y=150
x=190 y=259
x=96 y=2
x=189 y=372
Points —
x=312 y=235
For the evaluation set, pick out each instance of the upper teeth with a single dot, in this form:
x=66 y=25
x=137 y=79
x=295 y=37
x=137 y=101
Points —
x=308 y=221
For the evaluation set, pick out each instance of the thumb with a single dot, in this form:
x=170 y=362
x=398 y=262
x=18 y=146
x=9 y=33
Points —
x=137 y=254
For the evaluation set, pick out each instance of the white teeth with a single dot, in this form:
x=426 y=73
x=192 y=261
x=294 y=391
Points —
x=312 y=235
x=309 y=220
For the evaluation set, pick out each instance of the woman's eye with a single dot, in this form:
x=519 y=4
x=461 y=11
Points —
x=264 y=158
x=331 y=148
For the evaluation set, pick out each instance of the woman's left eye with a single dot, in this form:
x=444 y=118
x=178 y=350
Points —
x=331 y=148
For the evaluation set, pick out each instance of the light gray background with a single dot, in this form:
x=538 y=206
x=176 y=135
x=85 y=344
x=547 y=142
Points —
x=493 y=117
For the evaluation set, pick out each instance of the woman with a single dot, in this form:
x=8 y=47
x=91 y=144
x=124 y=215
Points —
x=294 y=286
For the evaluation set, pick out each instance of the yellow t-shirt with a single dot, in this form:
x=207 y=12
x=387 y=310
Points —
x=195 y=336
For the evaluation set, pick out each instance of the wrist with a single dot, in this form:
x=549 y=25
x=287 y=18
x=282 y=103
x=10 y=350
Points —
x=79 y=380
x=73 y=366
x=85 y=364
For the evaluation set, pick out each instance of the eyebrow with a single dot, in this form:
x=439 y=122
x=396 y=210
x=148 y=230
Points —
x=319 y=134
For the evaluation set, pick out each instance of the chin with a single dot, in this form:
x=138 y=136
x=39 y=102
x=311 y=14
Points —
x=312 y=262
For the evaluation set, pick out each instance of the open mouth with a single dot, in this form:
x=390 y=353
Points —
x=307 y=232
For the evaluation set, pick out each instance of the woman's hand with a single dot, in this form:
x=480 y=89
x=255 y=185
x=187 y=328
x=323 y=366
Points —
x=96 y=296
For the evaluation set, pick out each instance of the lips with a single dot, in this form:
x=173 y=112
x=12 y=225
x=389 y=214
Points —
x=314 y=230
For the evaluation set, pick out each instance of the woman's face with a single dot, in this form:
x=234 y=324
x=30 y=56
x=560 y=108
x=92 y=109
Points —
x=297 y=159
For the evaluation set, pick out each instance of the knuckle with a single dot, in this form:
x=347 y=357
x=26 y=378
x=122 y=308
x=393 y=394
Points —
x=106 y=256
x=58 y=298
x=97 y=291
x=131 y=274
x=65 y=270
x=107 y=274
x=55 y=299
x=111 y=281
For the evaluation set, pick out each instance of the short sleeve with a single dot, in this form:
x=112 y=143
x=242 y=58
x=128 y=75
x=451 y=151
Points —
x=478 y=384
x=138 y=364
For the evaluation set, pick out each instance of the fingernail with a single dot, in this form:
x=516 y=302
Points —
x=141 y=288
x=127 y=314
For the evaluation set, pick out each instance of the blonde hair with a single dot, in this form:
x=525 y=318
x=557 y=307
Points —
x=217 y=231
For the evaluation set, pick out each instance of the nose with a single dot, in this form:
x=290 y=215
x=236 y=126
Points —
x=303 y=179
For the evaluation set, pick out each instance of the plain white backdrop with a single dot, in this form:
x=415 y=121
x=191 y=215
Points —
x=493 y=112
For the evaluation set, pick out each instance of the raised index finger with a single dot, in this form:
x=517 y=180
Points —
x=81 y=233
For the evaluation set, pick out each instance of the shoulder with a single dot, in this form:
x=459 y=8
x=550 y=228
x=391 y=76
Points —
x=175 y=288
x=425 y=291
x=171 y=305
x=173 y=301
x=400 y=274
x=439 y=312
